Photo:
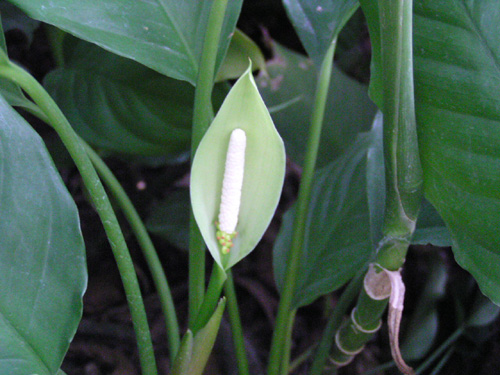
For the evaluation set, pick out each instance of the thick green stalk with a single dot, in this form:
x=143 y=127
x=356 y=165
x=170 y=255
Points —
x=148 y=249
x=201 y=120
x=334 y=323
x=363 y=323
x=403 y=171
x=211 y=299
x=236 y=328
x=295 y=255
x=102 y=204
x=403 y=183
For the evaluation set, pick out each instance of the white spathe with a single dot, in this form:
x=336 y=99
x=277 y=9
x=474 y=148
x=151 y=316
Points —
x=232 y=182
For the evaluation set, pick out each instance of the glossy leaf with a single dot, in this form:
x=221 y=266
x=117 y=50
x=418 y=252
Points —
x=319 y=22
x=263 y=175
x=241 y=49
x=194 y=351
x=42 y=261
x=457 y=51
x=338 y=231
x=165 y=35
x=430 y=229
x=288 y=90
x=119 y=105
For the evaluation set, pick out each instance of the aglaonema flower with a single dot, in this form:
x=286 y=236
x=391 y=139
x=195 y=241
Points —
x=237 y=175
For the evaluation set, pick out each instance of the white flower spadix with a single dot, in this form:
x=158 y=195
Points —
x=231 y=189
x=237 y=175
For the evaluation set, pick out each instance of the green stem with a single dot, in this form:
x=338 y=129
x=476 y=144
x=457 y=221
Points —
x=403 y=171
x=142 y=236
x=444 y=346
x=295 y=255
x=236 y=328
x=301 y=359
x=102 y=204
x=285 y=360
x=201 y=120
x=148 y=249
x=211 y=299
x=442 y=362
x=334 y=322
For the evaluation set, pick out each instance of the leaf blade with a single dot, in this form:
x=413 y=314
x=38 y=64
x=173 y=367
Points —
x=42 y=265
x=165 y=35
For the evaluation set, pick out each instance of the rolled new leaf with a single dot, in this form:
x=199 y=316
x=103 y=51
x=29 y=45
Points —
x=263 y=172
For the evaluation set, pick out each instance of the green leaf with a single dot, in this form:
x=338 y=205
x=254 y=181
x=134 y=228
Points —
x=338 y=230
x=483 y=312
x=288 y=90
x=422 y=326
x=319 y=22
x=241 y=49
x=370 y=10
x=42 y=262
x=119 y=105
x=457 y=75
x=194 y=351
x=14 y=19
x=430 y=229
x=263 y=174
x=170 y=219
x=8 y=89
x=165 y=35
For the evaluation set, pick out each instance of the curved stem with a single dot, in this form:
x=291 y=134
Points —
x=102 y=204
x=201 y=120
x=148 y=249
x=236 y=328
x=295 y=255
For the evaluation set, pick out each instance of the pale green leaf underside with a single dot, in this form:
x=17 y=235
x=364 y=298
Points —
x=42 y=260
x=457 y=71
x=263 y=176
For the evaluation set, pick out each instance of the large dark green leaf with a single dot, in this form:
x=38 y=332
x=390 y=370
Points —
x=457 y=76
x=338 y=238
x=165 y=35
x=120 y=105
x=288 y=91
x=42 y=260
x=319 y=22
